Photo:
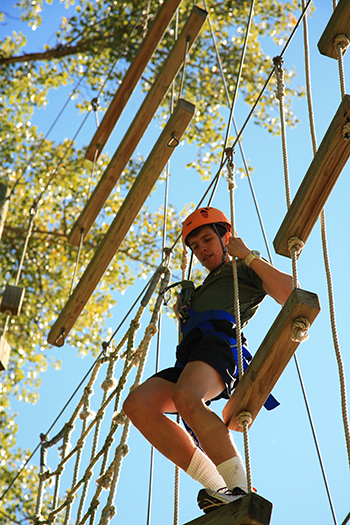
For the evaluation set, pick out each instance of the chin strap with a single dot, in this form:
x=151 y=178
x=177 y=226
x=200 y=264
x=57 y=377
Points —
x=224 y=248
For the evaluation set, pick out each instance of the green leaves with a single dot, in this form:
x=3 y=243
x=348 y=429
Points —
x=95 y=43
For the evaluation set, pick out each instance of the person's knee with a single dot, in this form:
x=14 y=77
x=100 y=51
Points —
x=132 y=405
x=186 y=403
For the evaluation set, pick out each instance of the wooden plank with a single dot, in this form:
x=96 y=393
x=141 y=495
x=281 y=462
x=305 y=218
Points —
x=318 y=182
x=4 y=205
x=5 y=350
x=271 y=358
x=339 y=24
x=138 y=126
x=12 y=300
x=125 y=217
x=131 y=77
x=251 y=509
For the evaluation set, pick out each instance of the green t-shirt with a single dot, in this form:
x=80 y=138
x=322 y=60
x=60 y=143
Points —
x=217 y=291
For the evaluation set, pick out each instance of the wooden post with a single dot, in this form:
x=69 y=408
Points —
x=5 y=350
x=125 y=217
x=4 y=204
x=318 y=182
x=339 y=24
x=131 y=78
x=139 y=125
x=251 y=509
x=271 y=359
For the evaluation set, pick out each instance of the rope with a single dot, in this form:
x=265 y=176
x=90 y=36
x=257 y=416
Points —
x=238 y=80
x=341 y=43
x=244 y=419
x=330 y=287
x=112 y=389
x=236 y=131
x=294 y=244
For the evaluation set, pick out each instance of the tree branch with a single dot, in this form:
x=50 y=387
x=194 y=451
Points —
x=58 y=51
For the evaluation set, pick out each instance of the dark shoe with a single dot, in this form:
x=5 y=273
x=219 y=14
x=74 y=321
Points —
x=212 y=499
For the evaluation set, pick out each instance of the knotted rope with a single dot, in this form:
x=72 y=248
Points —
x=245 y=424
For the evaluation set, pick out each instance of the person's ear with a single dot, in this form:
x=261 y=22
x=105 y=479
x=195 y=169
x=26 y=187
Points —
x=227 y=236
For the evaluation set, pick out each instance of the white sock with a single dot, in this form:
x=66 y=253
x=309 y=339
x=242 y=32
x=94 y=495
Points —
x=233 y=472
x=202 y=469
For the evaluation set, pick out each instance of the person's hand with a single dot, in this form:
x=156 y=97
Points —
x=237 y=248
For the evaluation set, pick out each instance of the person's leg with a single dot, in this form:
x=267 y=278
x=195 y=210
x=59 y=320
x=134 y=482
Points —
x=145 y=406
x=198 y=383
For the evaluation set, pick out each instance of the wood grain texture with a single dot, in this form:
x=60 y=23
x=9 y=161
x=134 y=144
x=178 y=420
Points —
x=270 y=359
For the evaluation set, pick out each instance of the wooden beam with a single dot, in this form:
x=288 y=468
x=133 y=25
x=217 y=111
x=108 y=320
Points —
x=251 y=509
x=5 y=351
x=339 y=24
x=131 y=78
x=271 y=358
x=318 y=182
x=138 y=126
x=125 y=217
x=4 y=205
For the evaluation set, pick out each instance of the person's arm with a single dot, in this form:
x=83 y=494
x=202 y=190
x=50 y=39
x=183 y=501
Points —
x=277 y=284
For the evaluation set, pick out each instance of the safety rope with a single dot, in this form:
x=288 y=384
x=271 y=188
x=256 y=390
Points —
x=244 y=418
x=295 y=245
x=341 y=45
x=237 y=85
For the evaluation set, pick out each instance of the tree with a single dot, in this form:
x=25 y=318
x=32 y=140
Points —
x=50 y=179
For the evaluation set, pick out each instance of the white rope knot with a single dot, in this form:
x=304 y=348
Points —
x=87 y=414
x=300 y=328
x=109 y=384
x=244 y=417
x=346 y=131
x=105 y=481
x=277 y=61
x=342 y=42
x=295 y=245
x=119 y=418
x=110 y=512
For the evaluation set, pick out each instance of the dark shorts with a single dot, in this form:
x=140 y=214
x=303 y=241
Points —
x=213 y=350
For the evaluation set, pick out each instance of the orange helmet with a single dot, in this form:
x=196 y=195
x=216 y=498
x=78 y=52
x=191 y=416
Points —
x=203 y=217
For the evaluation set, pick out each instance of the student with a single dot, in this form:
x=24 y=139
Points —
x=206 y=365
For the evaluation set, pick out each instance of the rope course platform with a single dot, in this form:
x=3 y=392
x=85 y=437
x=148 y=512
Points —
x=318 y=182
x=251 y=509
x=270 y=359
x=131 y=78
x=339 y=24
x=139 y=125
x=152 y=168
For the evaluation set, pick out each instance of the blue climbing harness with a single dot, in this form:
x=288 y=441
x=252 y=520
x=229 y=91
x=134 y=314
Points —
x=202 y=321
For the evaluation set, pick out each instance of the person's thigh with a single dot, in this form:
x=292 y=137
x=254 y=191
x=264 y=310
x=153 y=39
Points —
x=200 y=380
x=156 y=392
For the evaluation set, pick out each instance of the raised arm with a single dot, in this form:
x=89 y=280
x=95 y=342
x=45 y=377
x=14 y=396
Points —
x=277 y=284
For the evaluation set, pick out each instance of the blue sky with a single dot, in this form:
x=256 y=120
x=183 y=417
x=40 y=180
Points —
x=285 y=468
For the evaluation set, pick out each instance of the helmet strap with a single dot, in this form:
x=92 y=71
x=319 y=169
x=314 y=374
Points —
x=224 y=248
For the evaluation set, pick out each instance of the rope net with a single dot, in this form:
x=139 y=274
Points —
x=78 y=443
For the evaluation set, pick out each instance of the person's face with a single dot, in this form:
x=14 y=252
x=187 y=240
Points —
x=207 y=248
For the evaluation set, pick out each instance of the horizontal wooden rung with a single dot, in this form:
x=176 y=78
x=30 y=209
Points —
x=251 y=509
x=318 y=182
x=5 y=350
x=339 y=24
x=124 y=219
x=139 y=125
x=12 y=300
x=270 y=359
x=131 y=78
